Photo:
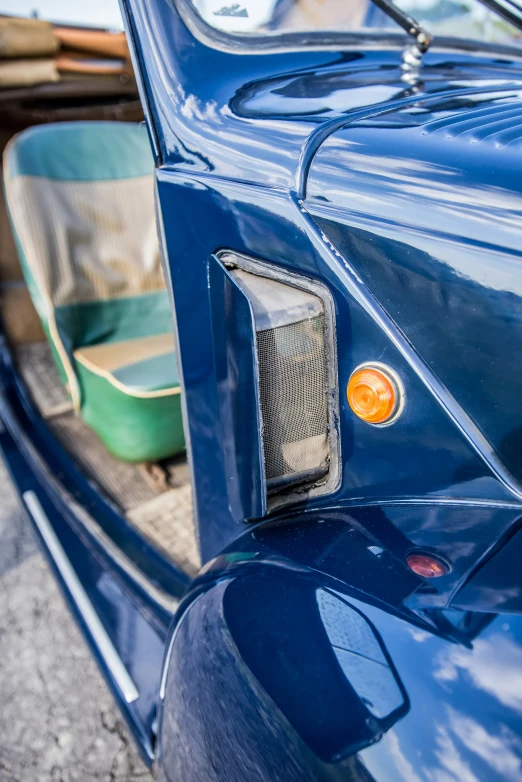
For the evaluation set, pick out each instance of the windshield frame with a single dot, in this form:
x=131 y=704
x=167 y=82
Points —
x=281 y=42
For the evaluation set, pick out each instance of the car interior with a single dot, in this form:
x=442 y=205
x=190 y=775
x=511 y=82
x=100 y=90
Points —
x=84 y=304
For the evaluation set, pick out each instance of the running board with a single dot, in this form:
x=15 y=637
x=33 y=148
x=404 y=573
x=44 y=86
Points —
x=81 y=600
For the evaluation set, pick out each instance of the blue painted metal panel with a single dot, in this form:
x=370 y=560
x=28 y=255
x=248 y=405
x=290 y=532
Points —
x=496 y=585
x=234 y=146
x=322 y=672
x=238 y=146
x=238 y=394
x=423 y=454
x=432 y=230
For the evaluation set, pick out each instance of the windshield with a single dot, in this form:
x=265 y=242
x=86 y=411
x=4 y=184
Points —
x=466 y=19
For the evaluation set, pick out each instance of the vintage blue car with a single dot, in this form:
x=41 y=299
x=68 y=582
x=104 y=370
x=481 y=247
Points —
x=288 y=519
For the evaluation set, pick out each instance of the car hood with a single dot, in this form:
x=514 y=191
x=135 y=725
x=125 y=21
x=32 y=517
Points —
x=424 y=199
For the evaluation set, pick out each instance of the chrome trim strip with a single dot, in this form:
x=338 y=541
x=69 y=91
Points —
x=79 y=595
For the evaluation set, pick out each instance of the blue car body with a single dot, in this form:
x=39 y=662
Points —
x=307 y=649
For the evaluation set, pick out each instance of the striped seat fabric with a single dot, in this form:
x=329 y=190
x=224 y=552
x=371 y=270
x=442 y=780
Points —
x=80 y=198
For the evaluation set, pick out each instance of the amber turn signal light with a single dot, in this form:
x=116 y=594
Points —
x=374 y=394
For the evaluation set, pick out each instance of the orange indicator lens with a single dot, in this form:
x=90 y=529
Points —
x=372 y=395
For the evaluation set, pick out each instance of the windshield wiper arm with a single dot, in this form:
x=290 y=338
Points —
x=412 y=56
x=422 y=38
x=501 y=10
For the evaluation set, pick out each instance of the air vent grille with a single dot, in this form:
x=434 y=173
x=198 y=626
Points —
x=293 y=379
x=294 y=405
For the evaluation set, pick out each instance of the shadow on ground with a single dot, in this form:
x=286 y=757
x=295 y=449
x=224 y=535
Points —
x=57 y=718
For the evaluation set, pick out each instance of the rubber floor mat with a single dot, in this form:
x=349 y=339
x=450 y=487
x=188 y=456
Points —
x=121 y=481
x=167 y=520
x=36 y=365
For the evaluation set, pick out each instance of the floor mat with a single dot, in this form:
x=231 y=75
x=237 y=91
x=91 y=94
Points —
x=167 y=520
x=37 y=367
x=122 y=481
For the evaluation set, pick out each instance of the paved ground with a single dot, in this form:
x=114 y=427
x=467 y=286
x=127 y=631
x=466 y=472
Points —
x=57 y=719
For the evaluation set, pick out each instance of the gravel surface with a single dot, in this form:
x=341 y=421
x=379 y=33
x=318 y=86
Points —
x=57 y=718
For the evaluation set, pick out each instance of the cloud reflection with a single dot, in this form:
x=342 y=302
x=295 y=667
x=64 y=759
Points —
x=497 y=751
x=454 y=767
x=494 y=665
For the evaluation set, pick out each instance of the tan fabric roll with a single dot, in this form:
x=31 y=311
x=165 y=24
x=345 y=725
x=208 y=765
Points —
x=26 y=38
x=25 y=73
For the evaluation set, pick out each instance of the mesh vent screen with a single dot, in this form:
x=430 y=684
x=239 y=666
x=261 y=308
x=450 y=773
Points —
x=294 y=407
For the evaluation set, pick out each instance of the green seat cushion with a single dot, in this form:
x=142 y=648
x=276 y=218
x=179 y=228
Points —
x=150 y=374
x=131 y=397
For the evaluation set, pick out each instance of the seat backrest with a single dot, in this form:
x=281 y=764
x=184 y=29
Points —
x=80 y=197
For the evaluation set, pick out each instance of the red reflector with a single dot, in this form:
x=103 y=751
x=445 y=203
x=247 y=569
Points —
x=426 y=566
